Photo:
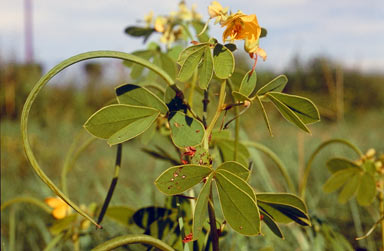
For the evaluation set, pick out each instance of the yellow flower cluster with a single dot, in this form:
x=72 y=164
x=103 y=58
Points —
x=239 y=26
x=167 y=25
x=60 y=208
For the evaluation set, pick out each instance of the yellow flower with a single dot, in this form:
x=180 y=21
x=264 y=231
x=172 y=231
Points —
x=241 y=26
x=60 y=208
x=215 y=10
x=160 y=23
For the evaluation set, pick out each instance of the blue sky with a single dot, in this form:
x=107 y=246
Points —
x=349 y=31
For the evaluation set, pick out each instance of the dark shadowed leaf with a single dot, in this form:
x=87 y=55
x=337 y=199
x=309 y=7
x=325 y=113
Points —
x=144 y=217
x=272 y=225
x=136 y=31
x=337 y=164
x=130 y=94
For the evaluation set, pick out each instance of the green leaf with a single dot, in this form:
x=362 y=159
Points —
x=289 y=114
x=338 y=179
x=178 y=179
x=119 y=123
x=235 y=168
x=239 y=209
x=304 y=108
x=130 y=94
x=367 y=190
x=227 y=149
x=120 y=214
x=282 y=198
x=136 y=31
x=272 y=225
x=174 y=52
x=337 y=164
x=144 y=217
x=185 y=131
x=350 y=188
x=239 y=97
x=200 y=214
x=189 y=59
x=231 y=47
x=206 y=69
x=223 y=61
x=136 y=69
x=198 y=26
x=238 y=181
x=283 y=208
x=263 y=32
x=265 y=116
x=248 y=84
x=275 y=85
x=168 y=65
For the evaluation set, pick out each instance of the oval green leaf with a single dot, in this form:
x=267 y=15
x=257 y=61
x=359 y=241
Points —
x=350 y=188
x=338 y=179
x=206 y=69
x=248 y=84
x=239 y=208
x=223 y=61
x=200 y=214
x=235 y=168
x=113 y=118
x=275 y=85
x=189 y=60
x=185 y=131
x=265 y=116
x=130 y=94
x=367 y=190
x=272 y=225
x=239 y=97
x=120 y=214
x=178 y=179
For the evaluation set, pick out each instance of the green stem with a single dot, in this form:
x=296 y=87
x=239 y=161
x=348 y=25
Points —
x=237 y=130
x=12 y=229
x=27 y=199
x=132 y=239
x=304 y=179
x=71 y=159
x=43 y=81
x=276 y=159
x=216 y=116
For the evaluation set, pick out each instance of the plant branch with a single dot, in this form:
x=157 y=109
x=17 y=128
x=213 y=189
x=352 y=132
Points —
x=43 y=81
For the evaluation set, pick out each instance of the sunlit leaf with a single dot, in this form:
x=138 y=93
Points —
x=114 y=122
x=248 y=84
x=239 y=209
x=223 y=61
x=178 y=179
x=304 y=108
x=130 y=94
x=275 y=85
x=185 y=131
x=239 y=97
x=227 y=149
x=189 y=60
x=206 y=69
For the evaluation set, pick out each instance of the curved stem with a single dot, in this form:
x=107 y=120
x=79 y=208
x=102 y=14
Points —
x=26 y=199
x=274 y=158
x=132 y=239
x=217 y=114
x=43 y=81
x=304 y=179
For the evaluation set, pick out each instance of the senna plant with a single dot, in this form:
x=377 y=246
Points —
x=186 y=95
